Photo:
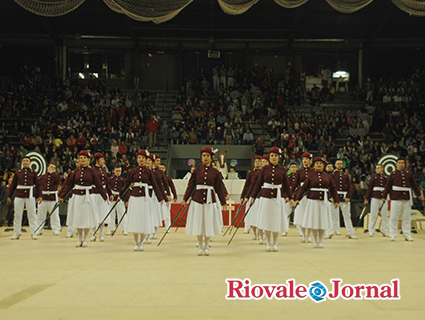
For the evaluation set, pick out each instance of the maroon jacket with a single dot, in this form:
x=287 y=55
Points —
x=300 y=177
x=320 y=180
x=342 y=183
x=254 y=178
x=291 y=180
x=83 y=176
x=49 y=182
x=172 y=187
x=275 y=175
x=143 y=175
x=103 y=177
x=247 y=184
x=378 y=180
x=163 y=182
x=205 y=176
x=401 y=179
x=116 y=184
x=24 y=177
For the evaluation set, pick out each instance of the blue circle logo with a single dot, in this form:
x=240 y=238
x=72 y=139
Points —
x=317 y=291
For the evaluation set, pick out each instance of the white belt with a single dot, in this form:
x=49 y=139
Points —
x=325 y=191
x=342 y=193
x=31 y=188
x=396 y=188
x=87 y=188
x=116 y=193
x=378 y=188
x=209 y=198
x=274 y=186
x=51 y=192
x=143 y=185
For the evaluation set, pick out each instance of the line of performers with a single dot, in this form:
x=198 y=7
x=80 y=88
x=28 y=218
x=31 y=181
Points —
x=269 y=194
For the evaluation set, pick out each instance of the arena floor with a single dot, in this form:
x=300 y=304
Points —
x=51 y=279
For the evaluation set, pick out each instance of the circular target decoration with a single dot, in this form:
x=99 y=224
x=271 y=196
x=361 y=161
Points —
x=38 y=163
x=191 y=162
x=388 y=161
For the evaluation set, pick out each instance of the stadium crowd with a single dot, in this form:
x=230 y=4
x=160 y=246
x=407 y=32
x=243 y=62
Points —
x=218 y=107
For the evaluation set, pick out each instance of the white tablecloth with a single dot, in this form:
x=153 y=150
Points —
x=234 y=188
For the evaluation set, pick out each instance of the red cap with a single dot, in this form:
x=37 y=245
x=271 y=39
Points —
x=319 y=159
x=266 y=156
x=258 y=157
x=98 y=155
x=157 y=156
x=151 y=156
x=84 y=153
x=275 y=150
x=207 y=150
x=307 y=155
x=142 y=153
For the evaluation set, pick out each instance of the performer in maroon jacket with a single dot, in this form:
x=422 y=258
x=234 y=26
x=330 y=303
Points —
x=115 y=184
x=23 y=183
x=400 y=186
x=71 y=230
x=319 y=186
x=203 y=218
x=49 y=183
x=164 y=186
x=374 y=190
x=140 y=219
x=100 y=206
x=250 y=180
x=81 y=214
x=172 y=190
x=300 y=177
x=343 y=187
x=273 y=183
x=291 y=179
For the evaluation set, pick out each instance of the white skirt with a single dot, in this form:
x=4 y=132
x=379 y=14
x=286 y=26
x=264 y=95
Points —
x=81 y=213
x=139 y=216
x=165 y=211
x=300 y=211
x=272 y=215
x=156 y=210
x=317 y=215
x=203 y=219
x=101 y=207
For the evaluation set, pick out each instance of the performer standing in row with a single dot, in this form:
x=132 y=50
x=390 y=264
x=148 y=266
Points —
x=254 y=212
x=71 y=230
x=273 y=183
x=319 y=186
x=49 y=183
x=116 y=183
x=300 y=177
x=203 y=215
x=166 y=188
x=244 y=195
x=170 y=183
x=400 y=186
x=291 y=180
x=23 y=183
x=82 y=214
x=343 y=187
x=139 y=213
x=374 y=190
x=100 y=206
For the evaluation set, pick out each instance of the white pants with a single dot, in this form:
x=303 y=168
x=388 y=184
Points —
x=216 y=82
x=43 y=208
x=119 y=211
x=346 y=213
x=397 y=207
x=29 y=203
x=375 y=204
x=223 y=81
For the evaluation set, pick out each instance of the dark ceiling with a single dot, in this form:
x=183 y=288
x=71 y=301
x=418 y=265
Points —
x=203 y=18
